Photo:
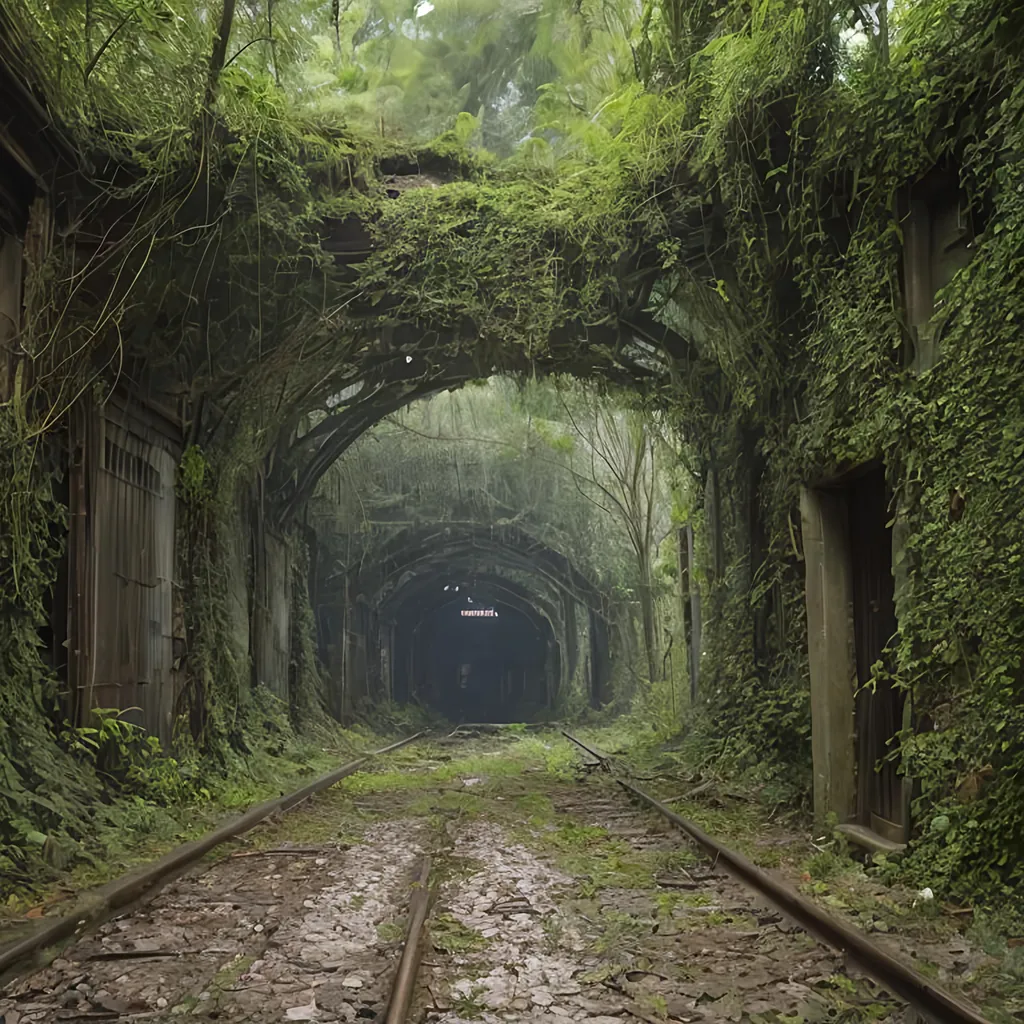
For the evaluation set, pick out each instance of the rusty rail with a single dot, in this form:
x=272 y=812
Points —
x=922 y=994
x=499 y=727
x=405 y=977
x=134 y=886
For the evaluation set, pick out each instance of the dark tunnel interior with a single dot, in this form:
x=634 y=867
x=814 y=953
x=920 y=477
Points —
x=474 y=657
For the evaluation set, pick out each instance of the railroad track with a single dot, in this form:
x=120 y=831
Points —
x=134 y=887
x=452 y=893
x=921 y=994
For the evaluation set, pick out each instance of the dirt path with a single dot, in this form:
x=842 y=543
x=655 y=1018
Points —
x=556 y=902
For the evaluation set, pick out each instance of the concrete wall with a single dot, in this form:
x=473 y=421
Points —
x=830 y=641
x=936 y=238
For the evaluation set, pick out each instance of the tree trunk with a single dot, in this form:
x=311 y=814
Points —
x=695 y=615
x=648 y=618
x=219 y=55
x=689 y=599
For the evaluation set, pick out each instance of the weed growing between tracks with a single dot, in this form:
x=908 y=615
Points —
x=524 y=786
x=612 y=920
x=449 y=935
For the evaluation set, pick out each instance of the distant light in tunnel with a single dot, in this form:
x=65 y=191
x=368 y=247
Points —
x=408 y=359
x=479 y=613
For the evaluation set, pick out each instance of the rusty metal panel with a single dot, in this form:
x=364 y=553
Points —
x=132 y=561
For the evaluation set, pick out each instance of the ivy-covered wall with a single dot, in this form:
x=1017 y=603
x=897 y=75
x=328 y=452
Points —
x=826 y=215
x=43 y=790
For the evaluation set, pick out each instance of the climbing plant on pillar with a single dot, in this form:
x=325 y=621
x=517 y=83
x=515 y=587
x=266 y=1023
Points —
x=212 y=695
x=947 y=108
x=961 y=450
x=307 y=697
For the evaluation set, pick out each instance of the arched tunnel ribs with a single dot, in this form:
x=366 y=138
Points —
x=477 y=623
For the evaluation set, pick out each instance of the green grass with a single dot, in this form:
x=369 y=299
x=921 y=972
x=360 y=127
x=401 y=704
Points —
x=449 y=935
x=601 y=860
x=469 y=1007
x=550 y=752
x=390 y=932
x=617 y=932
x=535 y=808
x=452 y=803
x=133 y=831
x=227 y=977
x=668 y=901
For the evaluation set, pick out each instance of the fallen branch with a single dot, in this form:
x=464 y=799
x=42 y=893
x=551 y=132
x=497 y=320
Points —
x=143 y=954
x=702 y=788
x=678 y=883
x=278 y=851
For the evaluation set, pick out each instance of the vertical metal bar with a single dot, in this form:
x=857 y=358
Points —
x=78 y=606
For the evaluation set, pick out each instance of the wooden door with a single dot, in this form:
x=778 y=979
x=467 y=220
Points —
x=879 y=706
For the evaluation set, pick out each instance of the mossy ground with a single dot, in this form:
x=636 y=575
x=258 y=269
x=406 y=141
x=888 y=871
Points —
x=748 y=812
x=524 y=778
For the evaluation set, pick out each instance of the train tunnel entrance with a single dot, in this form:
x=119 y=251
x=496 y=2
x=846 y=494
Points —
x=476 y=661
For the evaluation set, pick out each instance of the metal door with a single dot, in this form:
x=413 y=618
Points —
x=133 y=566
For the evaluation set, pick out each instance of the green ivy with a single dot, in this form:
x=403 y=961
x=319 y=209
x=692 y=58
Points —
x=952 y=436
x=45 y=794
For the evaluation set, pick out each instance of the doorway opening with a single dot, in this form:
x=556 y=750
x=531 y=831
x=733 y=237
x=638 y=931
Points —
x=856 y=713
x=476 y=662
x=878 y=707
